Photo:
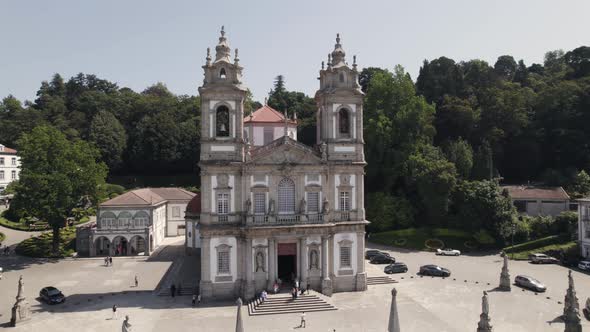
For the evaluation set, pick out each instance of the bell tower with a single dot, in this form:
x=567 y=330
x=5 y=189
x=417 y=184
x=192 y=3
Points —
x=340 y=108
x=222 y=105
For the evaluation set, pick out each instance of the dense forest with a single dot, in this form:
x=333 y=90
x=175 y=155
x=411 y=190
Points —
x=436 y=147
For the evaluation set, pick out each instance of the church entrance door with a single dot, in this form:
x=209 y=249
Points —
x=287 y=261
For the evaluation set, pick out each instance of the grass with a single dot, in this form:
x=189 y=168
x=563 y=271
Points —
x=551 y=245
x=19 y=226
x=40 y=246
x=2 y=237
x=415 y=238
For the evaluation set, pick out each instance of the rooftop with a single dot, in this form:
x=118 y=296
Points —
x=6 y=150
x=267 y=114
x=530 y=192
x=149 y=197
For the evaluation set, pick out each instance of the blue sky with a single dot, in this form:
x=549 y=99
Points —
x=137 y=43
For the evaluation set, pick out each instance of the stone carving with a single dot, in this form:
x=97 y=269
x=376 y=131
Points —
x=20 y=310
x=505 y=276
x=324 y=151
x=325 y=206
x=126 y=325
x=260 y=261
x=344 y=180
x=271 y=206
x=302 y=206
x=223 y=180
x=484 y=319
x=571 y=311
x=248 y=205
x=313 y=259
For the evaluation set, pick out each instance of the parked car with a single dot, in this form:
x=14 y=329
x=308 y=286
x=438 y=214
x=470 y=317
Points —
x=52 y=295
x=382 y=259
x=530 y=283
x=543 y=259
x=434 y=270
x=448 y=252
x=398 y=267
x=372 y=252
x=584 y=265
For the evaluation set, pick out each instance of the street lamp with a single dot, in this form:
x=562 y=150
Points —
x=513 y=231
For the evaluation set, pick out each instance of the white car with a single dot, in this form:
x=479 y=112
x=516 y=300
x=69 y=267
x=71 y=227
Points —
x=448 y=252
x=584 y=265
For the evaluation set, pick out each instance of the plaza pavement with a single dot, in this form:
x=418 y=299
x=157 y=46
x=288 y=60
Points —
x=424 y=304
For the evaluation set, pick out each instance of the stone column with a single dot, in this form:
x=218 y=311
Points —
x=571 y=311
x=326 y=282
x=361 y=275
x=504 y=275
x=21 y=310
x=205 y=285
x=271 y=263
x=249 y=289
x=484 y=319
x=303 y=276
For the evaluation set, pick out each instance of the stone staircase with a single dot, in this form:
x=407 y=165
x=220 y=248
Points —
x=382 y=280
x=283 y=304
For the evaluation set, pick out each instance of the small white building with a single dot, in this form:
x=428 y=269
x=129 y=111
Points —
x=535 y=201
x=267 y=124
x=135 y=223
x=9 y=166
x=584 y=226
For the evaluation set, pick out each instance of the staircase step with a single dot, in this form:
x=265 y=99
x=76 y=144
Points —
x=380 y=280
x=256 y=313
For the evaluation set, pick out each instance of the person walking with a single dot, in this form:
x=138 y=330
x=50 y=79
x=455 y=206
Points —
x=106 y=261
x=111 y=260
x=173 y=290
x=115 y=312
x=302 y=320
x=136 y=281
x=308 y=287
x=199 y=299
x=194 y=299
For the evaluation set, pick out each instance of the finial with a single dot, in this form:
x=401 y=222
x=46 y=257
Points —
x=222 y=31
x=208 y=58
x=236 y=58
x=265 y=100
x=329 y=60
x=322 y=65
x=354 y=62
x=337 y=38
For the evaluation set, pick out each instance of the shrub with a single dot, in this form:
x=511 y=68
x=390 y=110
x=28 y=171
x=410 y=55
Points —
x=470 y=244
x=566 y=222
x=434 y=244
x=483 y=237
x=400 y=242
x=541 y=226
x=542 y=242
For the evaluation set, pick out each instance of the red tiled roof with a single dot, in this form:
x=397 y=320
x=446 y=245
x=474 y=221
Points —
x=267 y=114
x=194 y=206
x=527 y=192
x=7 y=150
x=148 y=197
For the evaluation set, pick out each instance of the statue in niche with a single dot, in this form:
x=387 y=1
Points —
x=302 y=206
x=313 y=259
x=323 y=151
x=271 y=206
x=260 y=261
x=248 y=205
x=325 y=206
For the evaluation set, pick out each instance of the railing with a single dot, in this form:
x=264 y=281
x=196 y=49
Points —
x=284 y=219
x=350 y=215
x=226 y=218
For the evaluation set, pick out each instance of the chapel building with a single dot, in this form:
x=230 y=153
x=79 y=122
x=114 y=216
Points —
x=272 y=208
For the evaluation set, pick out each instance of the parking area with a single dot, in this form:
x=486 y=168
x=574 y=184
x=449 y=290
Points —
x=424 y=304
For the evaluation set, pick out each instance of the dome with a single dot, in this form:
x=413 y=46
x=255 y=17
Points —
x=194 y=206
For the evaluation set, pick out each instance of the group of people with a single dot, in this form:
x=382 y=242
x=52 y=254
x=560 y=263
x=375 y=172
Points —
x=108 y=261
x=6 y=250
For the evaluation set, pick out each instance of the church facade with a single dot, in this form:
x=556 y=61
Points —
x=271 y=208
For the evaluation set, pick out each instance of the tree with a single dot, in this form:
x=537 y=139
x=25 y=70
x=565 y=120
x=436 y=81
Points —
x=460 y=153
x=56 y=174
x=107 y=133
x=438 y=78
x=580 y=186
x=388 y=212
x=505 y=67
x=579 y=61
x=455 y=118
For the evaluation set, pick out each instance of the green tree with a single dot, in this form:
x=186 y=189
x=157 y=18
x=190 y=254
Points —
x=460 y=153
x=388 y=212
x=580 y=186
x=107 y=133
x=505 y=67
x=56 y=174
x=455 y=118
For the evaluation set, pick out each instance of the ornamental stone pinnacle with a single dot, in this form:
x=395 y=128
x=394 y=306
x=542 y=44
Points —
x=484 y=319
x=505 y=276
x=571 y=310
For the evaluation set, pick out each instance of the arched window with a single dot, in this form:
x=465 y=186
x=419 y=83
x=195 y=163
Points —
x=107 y=220
x=124 y=219
x=222 y=74
x=344 y=121
x=222 y=121
x=141 y=219
x=341 y=78
x=286 y=196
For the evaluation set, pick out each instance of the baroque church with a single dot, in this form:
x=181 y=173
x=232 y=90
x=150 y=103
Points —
x=272 y=209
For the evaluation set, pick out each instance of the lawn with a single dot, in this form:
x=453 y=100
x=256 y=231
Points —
x=426 y=239
x=551 y=245
x=40 y=246
x=19 y=226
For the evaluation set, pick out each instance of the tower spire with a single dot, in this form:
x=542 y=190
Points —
x=222 y=50
x=338 y=54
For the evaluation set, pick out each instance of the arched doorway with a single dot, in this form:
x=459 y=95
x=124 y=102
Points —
x=286 y=196
x=120 y=246
x=137 y=245
x=102 y=246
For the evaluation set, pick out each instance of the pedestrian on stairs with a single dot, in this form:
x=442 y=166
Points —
x=115 y=312
x=194 y=299
x=308 y=287
x=136 y=281
x=173 y=291
x=302 y=320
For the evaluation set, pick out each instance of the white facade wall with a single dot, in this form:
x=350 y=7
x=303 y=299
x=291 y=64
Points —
x=584 y=228
x=352 y=191
x=233 y=260
x=175 y=217
x=546 y=208
x=352 y=237
x=159 y=224
x=7 y=168
x=278 y=129
x=193 y=235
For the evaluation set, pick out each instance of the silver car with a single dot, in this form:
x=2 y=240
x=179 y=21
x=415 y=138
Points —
x=530 y=283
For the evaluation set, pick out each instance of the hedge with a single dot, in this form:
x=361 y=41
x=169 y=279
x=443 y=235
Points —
x=542 y=242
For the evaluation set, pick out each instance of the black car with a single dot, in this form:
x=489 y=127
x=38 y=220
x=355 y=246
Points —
x=434 y=270
x=382 y=259
x=52 y=295
x=398 y=267
x=370 y=253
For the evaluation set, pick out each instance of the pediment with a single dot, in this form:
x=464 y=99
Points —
x=286 y=151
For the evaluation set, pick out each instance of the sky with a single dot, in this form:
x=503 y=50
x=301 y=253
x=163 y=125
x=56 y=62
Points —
x=137 y=43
